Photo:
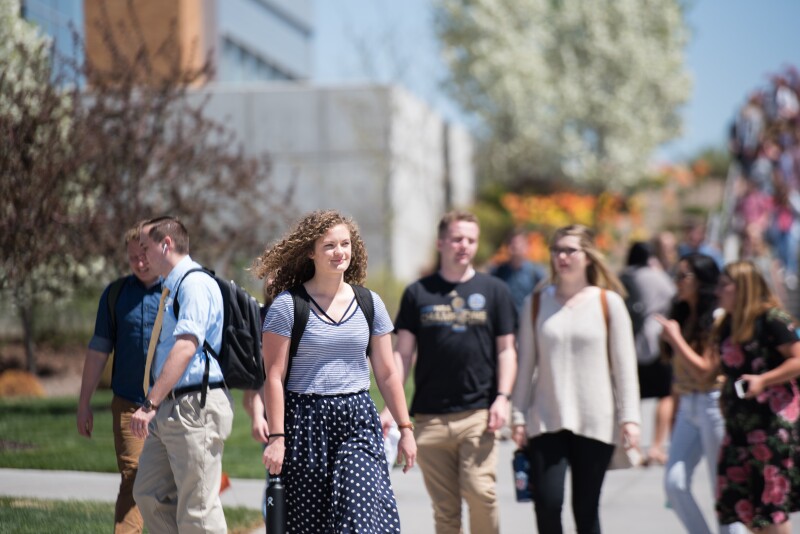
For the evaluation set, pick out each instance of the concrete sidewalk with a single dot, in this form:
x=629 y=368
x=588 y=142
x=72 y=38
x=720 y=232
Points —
x=632 y=502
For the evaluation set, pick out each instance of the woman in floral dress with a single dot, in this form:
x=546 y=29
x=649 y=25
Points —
x=758 y=479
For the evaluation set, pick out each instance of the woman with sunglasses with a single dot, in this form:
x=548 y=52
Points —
x=699 y=425
x=758 y=475
x=576 y=363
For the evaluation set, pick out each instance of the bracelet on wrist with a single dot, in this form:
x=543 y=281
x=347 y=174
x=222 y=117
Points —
x=276 y=435
x=408 y=425
x=506 y=395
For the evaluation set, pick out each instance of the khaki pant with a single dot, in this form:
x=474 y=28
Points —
x=458 y=459
x=127 y=519
x=180 y=469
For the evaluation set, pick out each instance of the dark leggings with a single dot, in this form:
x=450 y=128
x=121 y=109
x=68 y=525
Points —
x=588 y=459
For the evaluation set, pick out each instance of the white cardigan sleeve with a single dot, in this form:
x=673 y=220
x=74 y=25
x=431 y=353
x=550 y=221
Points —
x=622 y=354
x=526 y=365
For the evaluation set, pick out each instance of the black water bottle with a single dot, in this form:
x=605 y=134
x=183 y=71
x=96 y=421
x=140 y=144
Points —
x=276 y=506
x=522 y=471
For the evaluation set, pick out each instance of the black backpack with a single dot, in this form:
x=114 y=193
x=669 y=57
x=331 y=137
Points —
x=302 y=308
x=240 y=356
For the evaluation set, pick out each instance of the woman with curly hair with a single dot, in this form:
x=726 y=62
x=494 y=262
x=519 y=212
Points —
x=758 y=476
x=577 y=362
x=325 y=435
x=699 y=425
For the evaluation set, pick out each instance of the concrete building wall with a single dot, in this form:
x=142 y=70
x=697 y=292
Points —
x=373 y=152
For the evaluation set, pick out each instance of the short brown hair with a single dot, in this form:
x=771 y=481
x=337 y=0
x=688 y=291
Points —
x=454 y=216
x=161 y=227
x=134 y=232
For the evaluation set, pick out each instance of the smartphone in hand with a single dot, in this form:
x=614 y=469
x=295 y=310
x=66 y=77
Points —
x=741 y=387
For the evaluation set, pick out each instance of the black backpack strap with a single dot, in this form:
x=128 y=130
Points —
x=114 y=289
x=300 y=298
x=365 y=302
x=176 y=306
x=206 y=347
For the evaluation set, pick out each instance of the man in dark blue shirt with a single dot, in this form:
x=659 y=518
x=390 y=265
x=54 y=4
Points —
x=519 y=273
x=127 y=334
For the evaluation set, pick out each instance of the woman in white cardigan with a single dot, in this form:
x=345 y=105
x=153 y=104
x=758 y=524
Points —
x=577 y=391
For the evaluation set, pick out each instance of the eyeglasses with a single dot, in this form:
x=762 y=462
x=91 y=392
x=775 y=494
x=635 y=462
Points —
x=569 y=251
x=680 y=276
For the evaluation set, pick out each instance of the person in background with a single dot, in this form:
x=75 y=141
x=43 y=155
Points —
x=125 y=331
x=253 y=401
x=519 y=273
x=461 y=322
x=325 y=437
x=650 y=290
x=699 y=425
x=758 y=476
x=665 y=252
x=694 y=241
x=576 y=389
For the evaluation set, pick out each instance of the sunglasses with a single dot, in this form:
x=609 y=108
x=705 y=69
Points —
x=682 y=276
x=569 y=251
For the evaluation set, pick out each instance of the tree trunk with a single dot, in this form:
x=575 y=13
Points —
x=26 y=314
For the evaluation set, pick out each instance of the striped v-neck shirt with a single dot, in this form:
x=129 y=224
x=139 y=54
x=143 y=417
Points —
x=331 y=358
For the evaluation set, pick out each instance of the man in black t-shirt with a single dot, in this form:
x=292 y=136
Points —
x=462 y=325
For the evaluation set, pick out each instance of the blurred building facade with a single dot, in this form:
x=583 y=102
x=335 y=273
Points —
x=248 y=40
x=374 y=152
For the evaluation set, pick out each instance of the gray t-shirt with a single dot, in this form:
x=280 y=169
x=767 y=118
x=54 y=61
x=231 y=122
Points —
x=331 y=358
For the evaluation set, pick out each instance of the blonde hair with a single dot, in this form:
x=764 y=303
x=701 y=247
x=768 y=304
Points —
x=289 y=263
x=753 y=297
x=598 y=273
x=133 y=233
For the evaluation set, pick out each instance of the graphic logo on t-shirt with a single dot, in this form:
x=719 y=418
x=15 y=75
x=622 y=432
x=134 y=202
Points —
x=476 y=301
x=458 y=315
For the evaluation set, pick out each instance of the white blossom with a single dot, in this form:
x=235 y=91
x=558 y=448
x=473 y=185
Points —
x=575 y=89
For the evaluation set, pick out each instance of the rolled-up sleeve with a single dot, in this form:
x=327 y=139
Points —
x=101 y=340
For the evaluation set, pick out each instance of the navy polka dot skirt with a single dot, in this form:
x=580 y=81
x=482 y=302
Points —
x=335 y=471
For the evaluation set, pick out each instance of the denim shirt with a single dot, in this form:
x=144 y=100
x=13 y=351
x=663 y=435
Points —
x=136 y=310
x=200 y=316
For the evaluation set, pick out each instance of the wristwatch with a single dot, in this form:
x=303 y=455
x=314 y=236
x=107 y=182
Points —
x=149 y=406
x=506 y=395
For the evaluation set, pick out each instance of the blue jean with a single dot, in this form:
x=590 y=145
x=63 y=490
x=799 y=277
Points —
x=698 y=432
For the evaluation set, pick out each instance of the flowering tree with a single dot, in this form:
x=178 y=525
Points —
x=569 y=92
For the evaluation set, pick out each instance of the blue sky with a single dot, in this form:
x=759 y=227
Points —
x=734 y=46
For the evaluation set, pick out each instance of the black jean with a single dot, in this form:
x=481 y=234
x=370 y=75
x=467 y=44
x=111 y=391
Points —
x=588 y=459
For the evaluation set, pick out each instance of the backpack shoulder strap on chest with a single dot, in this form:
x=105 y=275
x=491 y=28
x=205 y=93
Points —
x=176 y=306
x=302 y=308
x=365 y=302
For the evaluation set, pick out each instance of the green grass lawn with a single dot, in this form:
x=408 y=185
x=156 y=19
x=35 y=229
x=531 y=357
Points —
x=33 y=516
x=42 y=434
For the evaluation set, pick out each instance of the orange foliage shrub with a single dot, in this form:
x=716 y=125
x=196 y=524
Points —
x=16 y=383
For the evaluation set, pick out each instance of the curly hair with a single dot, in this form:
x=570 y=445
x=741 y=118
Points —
x=289 y=261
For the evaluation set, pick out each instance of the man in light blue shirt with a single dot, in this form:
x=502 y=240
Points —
x=180 y=468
